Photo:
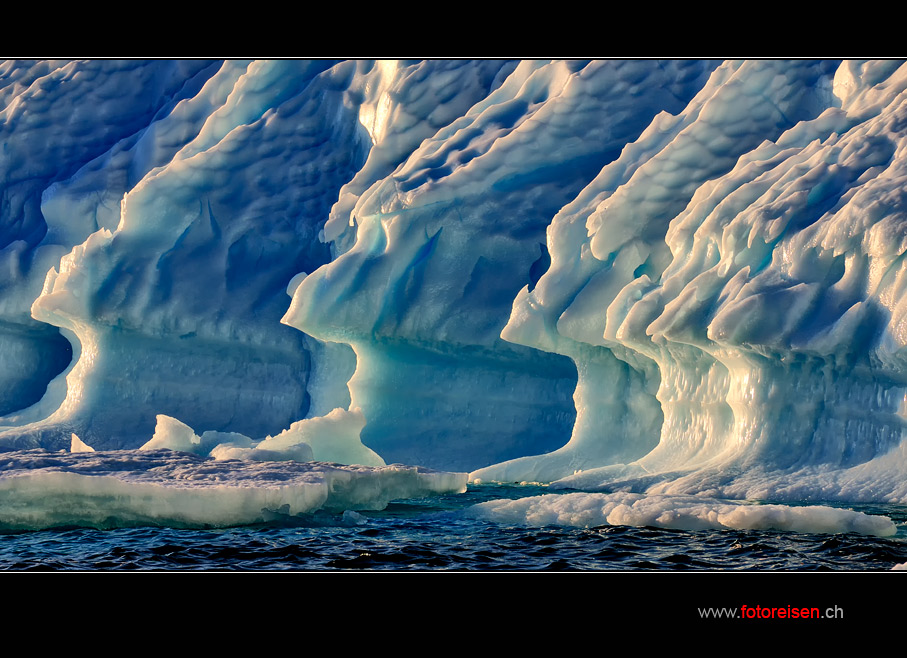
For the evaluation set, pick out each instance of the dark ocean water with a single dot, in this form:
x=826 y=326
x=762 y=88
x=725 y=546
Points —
x=432 y=534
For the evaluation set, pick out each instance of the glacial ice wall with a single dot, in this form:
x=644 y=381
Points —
x=761 y=292
x=679 y=276
x=183 y=239
x=55 y=117
x=444 y=243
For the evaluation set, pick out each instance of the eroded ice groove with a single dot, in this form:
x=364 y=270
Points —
x=39 y=489
x=405 y=103
x=55 y=116
x=587 y=510
x=444 y=243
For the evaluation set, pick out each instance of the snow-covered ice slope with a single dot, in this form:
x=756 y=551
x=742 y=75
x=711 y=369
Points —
x=672 y=276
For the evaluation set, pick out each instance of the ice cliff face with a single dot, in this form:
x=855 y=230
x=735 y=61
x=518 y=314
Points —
x=635 y=274
x=445 y=242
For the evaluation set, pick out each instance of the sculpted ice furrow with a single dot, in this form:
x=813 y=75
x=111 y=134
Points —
x=404 y=104
x=781 y=297
x=54 y=117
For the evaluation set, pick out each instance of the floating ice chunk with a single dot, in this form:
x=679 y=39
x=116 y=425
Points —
x=678 y=512
x=332 y=438
x=354 y=518
x=78 y=445
x=172 y=434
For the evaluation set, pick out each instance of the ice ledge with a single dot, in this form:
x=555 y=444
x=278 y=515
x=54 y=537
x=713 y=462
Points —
x=163 y=487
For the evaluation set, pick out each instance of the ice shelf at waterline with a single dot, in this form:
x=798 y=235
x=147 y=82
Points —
x=666 y=277
x=172 y=488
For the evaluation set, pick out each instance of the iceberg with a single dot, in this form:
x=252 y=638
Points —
x=648 y=277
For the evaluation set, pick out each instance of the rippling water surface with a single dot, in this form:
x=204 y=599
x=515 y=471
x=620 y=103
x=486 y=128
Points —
x=433 y=534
